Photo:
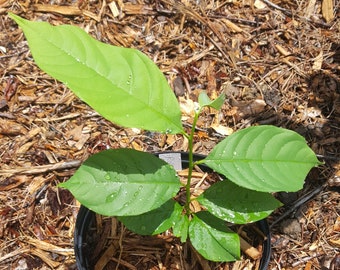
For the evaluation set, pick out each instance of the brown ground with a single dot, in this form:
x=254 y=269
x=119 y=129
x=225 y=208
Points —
x=277 y=61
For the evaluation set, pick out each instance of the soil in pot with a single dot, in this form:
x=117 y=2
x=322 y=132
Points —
x=104 y=242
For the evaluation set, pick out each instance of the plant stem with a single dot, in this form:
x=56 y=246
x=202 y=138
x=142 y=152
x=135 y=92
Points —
x=191 y=163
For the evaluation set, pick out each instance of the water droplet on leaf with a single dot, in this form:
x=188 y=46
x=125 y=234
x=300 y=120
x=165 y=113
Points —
x=111 y=197
x=128 y=82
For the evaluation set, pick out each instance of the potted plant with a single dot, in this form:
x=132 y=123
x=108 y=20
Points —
x=127 y=88
x=95 y=235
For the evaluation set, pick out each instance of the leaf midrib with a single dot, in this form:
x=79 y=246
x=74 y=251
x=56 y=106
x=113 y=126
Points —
x=243 y=160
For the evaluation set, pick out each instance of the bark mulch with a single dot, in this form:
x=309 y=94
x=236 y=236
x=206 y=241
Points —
x=278 y=63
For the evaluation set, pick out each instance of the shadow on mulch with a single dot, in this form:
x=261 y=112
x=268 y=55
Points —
x=310 y=217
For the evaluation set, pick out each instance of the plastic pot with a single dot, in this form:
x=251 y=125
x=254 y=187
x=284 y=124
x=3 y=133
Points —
x=86 y=219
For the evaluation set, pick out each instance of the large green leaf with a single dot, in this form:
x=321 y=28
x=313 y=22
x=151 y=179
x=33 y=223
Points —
x=213 y=239
x=155 y=221
x=263 y=158
x=121 y=84
x=123 y=182
x=236 y=204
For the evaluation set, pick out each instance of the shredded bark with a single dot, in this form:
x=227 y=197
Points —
x=277 y=62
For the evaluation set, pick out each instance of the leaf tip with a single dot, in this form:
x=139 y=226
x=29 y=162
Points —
x=14 y=17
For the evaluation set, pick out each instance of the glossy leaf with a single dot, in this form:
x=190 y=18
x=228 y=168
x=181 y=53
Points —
x=212 y=238
x=181 y=227
x=156 y=221
x=123 y=182
x=263 y=158
x=121 y=84
x=236 y=204
x=205 y=101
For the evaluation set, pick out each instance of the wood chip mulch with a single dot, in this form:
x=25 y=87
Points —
x=278 y=63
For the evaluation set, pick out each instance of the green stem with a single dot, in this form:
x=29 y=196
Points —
x=191 y=164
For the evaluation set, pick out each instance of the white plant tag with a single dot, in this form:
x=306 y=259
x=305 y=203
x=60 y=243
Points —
x=173 y=159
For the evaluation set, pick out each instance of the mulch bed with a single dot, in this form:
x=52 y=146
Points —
x=278 y=63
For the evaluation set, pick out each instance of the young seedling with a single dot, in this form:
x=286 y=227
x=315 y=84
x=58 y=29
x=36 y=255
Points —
x=127 y=88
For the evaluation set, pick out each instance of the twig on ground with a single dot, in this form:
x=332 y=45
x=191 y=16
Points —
x=329 y=157
x=205 y=21
x=42 y=169
x=286 y=11
x=289 y=13
x=17 y=252
x=306 y=259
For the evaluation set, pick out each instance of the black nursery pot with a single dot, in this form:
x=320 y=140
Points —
x=86 y=219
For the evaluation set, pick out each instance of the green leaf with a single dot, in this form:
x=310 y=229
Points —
x=213 y=239
x=121 y=84
x=263 y=158
x=205 y=101
x=236 y=204
x=181 y=227
x=156 y=221
x=123 y=182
